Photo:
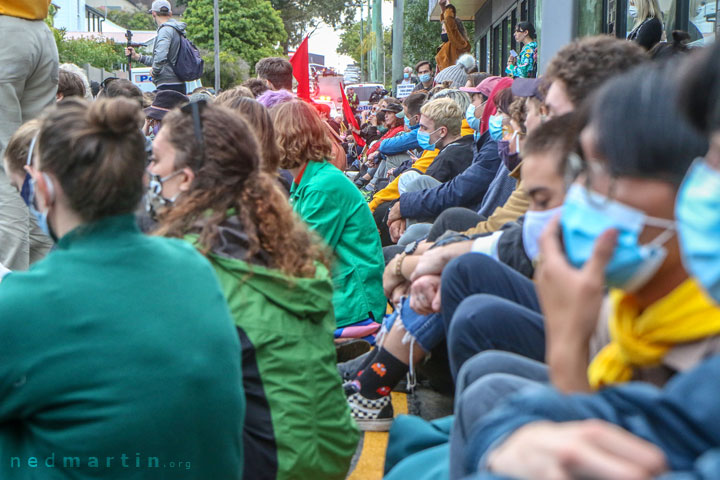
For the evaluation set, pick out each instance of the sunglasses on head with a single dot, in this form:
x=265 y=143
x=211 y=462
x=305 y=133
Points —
x=195 y=109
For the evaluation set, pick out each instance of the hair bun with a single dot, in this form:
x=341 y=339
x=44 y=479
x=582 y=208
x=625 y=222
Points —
x=115 y=115
x=680 y=37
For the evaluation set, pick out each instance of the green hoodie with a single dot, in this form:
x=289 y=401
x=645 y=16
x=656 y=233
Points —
x=294 y=393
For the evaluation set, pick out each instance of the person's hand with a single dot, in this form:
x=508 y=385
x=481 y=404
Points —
x=391 y=172
x=394 y=214
x=373 y=156
x=433 y=261
x=130 y=51
x=571 y=300
x=400 y=291
x=512 y=60
x=397 y=229
x=585 y=449
x=443 y=4
x=390 y=279
x=425 y=294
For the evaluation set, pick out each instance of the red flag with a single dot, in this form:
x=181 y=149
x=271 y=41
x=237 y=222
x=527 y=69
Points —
x=301 y=70
x=350 y=118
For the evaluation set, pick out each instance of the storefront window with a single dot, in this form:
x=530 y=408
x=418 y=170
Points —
x=697 y=17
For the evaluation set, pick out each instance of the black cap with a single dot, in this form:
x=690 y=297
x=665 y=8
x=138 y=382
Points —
x=393 y=107
x=527 y=87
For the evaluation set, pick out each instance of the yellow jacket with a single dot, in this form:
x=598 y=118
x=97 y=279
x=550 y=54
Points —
x=515 y=207
x=27 y=9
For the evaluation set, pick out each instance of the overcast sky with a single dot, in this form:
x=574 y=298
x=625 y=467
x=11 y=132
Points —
x=325 y=40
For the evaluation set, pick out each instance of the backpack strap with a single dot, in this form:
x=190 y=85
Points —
x=174 y=28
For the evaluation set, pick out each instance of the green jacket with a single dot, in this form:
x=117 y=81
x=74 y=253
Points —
x=332 y=206
x=298 y=423
x=119 y=359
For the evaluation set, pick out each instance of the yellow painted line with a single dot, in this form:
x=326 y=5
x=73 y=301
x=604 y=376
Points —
x=372 y=459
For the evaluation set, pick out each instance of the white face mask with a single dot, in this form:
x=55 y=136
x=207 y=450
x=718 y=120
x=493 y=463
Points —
x=632 y=11
x=533 y=226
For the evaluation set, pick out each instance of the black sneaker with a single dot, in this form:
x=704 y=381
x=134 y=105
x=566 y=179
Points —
x=348 y=370
x=349 y=349
x=371 y=415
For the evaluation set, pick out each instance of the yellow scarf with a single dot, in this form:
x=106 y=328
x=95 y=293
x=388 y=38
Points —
x=641 y=339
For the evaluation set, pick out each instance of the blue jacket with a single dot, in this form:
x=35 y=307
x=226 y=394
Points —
x=400 y=143
x=465 y=190
x=682 y=418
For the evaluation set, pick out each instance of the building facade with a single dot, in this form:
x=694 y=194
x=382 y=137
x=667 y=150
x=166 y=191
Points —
x=560 y=21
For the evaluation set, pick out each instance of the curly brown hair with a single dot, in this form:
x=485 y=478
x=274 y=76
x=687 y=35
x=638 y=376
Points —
x=301 y=135
x=586 y=63
x=228 y=181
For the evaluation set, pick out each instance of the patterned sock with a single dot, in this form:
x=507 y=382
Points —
x=384 y=372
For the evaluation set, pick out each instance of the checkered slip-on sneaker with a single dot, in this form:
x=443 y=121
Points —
x=374 y=415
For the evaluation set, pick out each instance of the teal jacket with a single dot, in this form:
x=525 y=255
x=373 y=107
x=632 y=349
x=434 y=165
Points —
x=298 y=423
x=119 y=359
x=332 y=206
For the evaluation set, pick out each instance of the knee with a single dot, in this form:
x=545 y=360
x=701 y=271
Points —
x=483 y=365
x=475 y=318
x=470 y=268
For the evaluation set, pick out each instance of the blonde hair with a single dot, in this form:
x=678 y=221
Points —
x=301 y=135
x=647 y=9
x=226 y=97
x=444 y=112
x=17 y=149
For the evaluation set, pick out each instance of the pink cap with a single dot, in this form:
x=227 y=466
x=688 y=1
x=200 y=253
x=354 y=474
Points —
x=485 y=87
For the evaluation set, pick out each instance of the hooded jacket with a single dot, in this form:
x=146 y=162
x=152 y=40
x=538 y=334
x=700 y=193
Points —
x=333 y=207
x=298 y=424
x=165 y=53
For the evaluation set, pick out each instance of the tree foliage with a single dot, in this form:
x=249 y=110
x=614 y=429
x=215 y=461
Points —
x=101 y=54
x=251 y=29
x=233 y=70
x=422 y=38
x=301 y=17
x=351 y=46
x=132 y=20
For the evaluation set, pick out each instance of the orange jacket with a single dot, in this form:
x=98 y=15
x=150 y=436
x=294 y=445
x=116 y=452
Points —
x=456 y=45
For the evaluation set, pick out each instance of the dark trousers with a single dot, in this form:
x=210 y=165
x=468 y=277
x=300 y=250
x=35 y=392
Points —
x=487 y=305
x=178 y=87
x=457 y=219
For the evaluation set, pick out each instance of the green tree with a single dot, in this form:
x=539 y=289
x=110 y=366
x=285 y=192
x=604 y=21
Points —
x=132 y=20
x=233 y=70
x=101 y=54
x=301 y=17
x=350 y=45
x=252 y=29
x=422 y=38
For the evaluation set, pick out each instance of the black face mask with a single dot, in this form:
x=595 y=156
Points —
x=444 y=37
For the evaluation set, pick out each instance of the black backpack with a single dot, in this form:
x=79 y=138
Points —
x=189 y=65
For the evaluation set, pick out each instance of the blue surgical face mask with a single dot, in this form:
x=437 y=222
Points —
x=42 y=217
x=632 y=11
x=495 y=127
x=407 y=122
x=423 y=139
x=533 y=226
x=586 y=215
x=406 y=75
x=425 y=77
x=472 y=120
x=698 y=217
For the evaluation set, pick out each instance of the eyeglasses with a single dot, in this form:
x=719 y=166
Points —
x=195 y=109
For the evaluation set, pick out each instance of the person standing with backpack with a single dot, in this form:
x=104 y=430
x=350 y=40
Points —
x=166 y=50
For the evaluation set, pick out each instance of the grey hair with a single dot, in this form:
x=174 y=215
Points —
x=461 y=98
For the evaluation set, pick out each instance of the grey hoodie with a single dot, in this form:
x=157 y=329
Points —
x=165 y=53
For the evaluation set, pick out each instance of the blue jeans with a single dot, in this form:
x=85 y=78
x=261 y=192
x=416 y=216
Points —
x=489 y=306
x=427 y=330
x=485 y=381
